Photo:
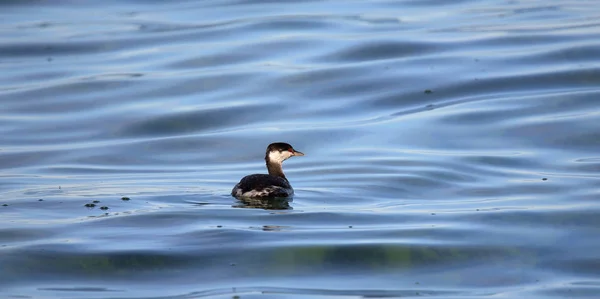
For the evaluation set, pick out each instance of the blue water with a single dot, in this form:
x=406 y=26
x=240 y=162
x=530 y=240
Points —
x=452 y=149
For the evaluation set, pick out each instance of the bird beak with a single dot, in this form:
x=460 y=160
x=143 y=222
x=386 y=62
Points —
x=297 y=153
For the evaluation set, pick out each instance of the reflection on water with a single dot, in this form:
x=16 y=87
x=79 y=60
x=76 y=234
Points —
x=454 y=149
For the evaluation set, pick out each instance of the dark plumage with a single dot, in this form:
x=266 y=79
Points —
x=274 y=184
x=262 y=181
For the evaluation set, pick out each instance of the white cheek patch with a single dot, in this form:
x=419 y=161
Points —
x=279 y=157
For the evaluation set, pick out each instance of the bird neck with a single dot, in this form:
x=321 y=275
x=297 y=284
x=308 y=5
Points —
x=274 y=168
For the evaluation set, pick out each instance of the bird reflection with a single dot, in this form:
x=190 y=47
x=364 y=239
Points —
x=267 y=204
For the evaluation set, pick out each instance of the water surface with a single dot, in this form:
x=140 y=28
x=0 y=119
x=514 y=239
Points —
x=451 y=149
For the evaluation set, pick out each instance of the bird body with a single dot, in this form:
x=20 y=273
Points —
x=271 y=185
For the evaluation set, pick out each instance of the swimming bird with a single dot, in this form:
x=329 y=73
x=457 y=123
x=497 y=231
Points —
x=271 y=185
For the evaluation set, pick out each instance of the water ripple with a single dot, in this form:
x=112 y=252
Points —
x=451 y=149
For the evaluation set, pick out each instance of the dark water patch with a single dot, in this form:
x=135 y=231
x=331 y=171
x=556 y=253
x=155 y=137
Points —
x=378 y=50
x=37 y=49
x=585 y=266
x=297 y=24
x=568 y=54
x=219 y=60
x=286 y=260
x=567 y=289
x=16 y=235
x=570 y=105
x=358 y=88
x=588 y=166
x=91 y=265
x=573 y=218
x=14 y=160
x=559 y=81
x=73 y=91
x=188 y=122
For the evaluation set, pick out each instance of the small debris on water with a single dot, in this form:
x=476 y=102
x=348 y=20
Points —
x=428 y=91
x=40 y=199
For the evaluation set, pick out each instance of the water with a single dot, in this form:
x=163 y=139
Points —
x=451 y=149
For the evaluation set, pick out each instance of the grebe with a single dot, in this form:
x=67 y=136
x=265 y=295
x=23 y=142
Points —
x=274 y=184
